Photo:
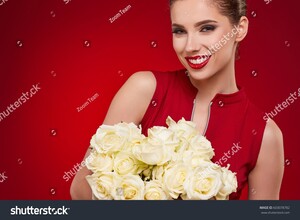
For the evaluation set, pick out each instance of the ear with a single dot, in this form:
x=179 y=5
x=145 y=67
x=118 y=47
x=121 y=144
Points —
x=242 y=29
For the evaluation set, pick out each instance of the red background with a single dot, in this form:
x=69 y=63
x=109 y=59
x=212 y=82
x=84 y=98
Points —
x=74 y=52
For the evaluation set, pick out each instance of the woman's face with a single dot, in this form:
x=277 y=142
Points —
x=203 y=39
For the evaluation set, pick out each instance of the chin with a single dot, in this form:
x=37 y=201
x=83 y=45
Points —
x=197 y=72
x=200 y=75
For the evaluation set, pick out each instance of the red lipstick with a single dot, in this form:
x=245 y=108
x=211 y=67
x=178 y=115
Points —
x=198 y=62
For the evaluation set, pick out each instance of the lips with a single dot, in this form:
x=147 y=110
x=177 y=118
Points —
x=198 y=62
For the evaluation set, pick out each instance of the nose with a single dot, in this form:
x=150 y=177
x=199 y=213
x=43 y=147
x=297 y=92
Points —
x=192 y=44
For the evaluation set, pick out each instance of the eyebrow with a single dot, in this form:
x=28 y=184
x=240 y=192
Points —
x=197 y=24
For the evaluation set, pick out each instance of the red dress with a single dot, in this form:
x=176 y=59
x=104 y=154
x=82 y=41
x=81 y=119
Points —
x=235 y=125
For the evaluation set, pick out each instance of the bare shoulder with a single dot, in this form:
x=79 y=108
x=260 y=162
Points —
x=144 y=76
x=265 y=179
x=132 y=100
x=272 y=134
x=143 y=81
x=272 y=146
x=140 y=85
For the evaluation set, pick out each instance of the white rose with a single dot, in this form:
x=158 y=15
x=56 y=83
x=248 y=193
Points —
x=199 y=144
x=126 y=163
x=109 y=139
x=158 y=148
x=158 y=172
x=202 y=184
x=193 y=160
x=129 y=187
x=161 y=134
x=154 y=190
x=183 y=129
x=101 y=184
x=174 y=177
x=152 y=154
x=99 y=162
x=180 y=149
x=229 y=184
x=134 y=136
x=147 y=173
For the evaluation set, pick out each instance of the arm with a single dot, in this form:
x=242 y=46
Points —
x=128 y=105
x=265 y=179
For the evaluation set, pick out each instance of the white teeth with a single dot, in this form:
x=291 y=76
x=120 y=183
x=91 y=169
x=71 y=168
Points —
x=199 y=60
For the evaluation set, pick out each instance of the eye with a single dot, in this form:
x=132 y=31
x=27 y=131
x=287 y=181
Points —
x=207 y=28
x=178 y=31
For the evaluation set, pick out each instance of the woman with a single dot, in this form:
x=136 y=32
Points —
x=206 y=35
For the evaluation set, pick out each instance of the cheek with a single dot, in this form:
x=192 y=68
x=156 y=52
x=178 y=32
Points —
x=224 y=44
x=225 y=54
x=178 y=45
x=213 y=39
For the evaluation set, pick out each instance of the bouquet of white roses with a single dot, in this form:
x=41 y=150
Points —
x=171 y=163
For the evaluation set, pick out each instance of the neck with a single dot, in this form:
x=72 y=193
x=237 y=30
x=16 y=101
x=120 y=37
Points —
x=222 y=82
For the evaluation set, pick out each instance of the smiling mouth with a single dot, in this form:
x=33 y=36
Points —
x=198 y=62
